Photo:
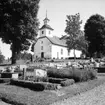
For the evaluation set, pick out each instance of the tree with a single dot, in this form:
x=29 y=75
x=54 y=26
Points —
x=95 y=35
x=74 y=33
x=81 y=43
x=24 y=56
x=2 y=58
x=33 y=44
x=18 y=24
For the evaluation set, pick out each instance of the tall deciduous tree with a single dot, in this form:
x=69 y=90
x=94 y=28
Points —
x=95 y=35
x=74 y=34
x=18 y=24
x=2 y=58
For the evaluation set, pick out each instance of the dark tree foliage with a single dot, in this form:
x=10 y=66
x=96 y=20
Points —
x=75 y=37
x=32 y=47
x=24 y=56
x=18 y=24
x=2 y=58
x=95 y=35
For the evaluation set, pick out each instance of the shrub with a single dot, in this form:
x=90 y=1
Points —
x=67 y=82
x=6 y=75
x=86 y=74
x=60 y=73
x=4 y=80
x=50 y=86
x=38 y=86
x=40 y=79
x=55 y=80
x=28 y=84
x=77 y=74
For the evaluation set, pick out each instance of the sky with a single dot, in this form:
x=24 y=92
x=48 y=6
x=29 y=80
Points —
x=57 y=10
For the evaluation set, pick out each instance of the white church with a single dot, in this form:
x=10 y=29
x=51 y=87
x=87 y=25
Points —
x=50 y=46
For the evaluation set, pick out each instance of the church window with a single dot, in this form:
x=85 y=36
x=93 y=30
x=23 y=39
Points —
x=41 y=47
x=61 y=51
x=42 y=32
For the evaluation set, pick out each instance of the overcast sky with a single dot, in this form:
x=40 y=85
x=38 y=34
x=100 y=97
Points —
x=57 y=11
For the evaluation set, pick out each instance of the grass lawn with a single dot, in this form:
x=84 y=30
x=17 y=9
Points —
x=24 y=96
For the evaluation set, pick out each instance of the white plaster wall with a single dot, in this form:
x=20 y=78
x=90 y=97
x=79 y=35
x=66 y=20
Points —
x=57 y=49
x=46 y=48
x=49 y=34
x=52 y=51
x=56 y=52
x=46 y=32
x=77 y=53
x=41 y=32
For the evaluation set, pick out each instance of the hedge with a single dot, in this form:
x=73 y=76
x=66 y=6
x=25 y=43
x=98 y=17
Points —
x=67 y=82
x=37 y=86
x=73 y=73
x=5 y=80
x=55 y=80
x=60 y=73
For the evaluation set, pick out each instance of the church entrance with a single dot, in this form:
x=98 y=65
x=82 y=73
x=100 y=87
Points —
x=42 y=54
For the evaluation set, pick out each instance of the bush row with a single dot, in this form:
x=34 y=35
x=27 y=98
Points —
x=101 y=69
x=45 y=79
x=5 y=80
x=38 y=86
x=78 y=75
x=67 y=82
x=63 y=82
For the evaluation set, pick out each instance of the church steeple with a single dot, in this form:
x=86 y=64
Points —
x=46 y=20
x=46 y=29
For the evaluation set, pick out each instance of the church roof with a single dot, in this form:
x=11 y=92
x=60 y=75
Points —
x=56 y=41
x=46 y=26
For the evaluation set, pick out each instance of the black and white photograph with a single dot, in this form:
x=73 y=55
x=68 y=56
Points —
x=52 y=52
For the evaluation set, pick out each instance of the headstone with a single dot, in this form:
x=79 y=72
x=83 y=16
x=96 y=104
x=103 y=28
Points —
x=22 y=66
x=69 y=63
x=97 y=64
x=40 y=73
x=15 y=75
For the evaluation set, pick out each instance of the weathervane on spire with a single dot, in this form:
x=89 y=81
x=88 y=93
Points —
x=46 y=20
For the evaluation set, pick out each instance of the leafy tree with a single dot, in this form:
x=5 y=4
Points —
x=75 y=38
x=24 y=56
x=81 y=43
x=33 y=44
x=95 y=35
x=18 y=24
x=2 y=58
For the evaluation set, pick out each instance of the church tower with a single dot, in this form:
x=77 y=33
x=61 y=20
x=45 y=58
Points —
x=46 y=29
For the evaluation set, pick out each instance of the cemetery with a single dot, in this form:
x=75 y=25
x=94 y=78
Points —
x=50 y=78
x=54 y=74
x=49 y=65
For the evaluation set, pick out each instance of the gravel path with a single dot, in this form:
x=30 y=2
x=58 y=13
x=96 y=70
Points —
x=95 y=96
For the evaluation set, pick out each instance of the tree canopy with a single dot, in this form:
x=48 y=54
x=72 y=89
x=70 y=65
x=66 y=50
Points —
x=95 y=35
x=75 y=37
x=18 y=24
x=2 y=58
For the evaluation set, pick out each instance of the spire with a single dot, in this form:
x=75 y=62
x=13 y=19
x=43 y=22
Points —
x=46 y=20
x=46 y=13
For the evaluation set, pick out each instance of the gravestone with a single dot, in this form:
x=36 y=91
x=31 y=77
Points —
x=40 y=73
